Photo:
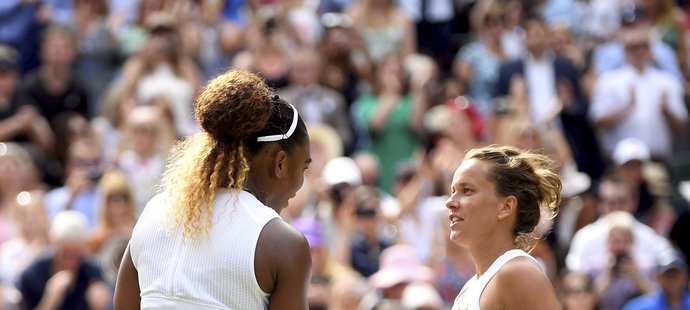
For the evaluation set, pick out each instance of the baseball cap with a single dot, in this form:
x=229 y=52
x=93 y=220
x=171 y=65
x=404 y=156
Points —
x=574 y=182
x=630 y=149
x=341 y=170
x=672 y=259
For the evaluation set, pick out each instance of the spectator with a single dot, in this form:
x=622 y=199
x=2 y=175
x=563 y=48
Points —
x=672 y=276
x=17 y=174
x=84 y=168
x=117 y=212
x=367 y=243
x=629 y=157
x=30 y=240
x=384 y=27
x=578 y=292
x=548 y=87
x=610 y=55
x=588 y=251
x=434 y=28
x=318 y=104
x=638 y=101
x=346 y=62
x=53 y=88
x=400 y=267
x=218 y=39
x=19 y=122
x=160 y=69
x=668 y=25
x=131 y=37
x=390 y=117
x=622 y=278
x=97 y=50
x=144 y=153
x=65 y=278
x=476 y=64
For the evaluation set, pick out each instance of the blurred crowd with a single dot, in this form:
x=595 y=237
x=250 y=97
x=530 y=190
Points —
x=93 y=93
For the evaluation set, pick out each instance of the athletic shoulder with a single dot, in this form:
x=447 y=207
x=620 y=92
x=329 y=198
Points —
x=522 y=283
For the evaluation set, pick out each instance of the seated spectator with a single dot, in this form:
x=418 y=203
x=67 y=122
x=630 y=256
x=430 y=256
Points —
x=622 y=279
x=53 y=87
x=17 y=174
x=144 y=152
x=400 y=267
x=19 y=122
x=629 y=157
x=31 y=238
x=316 y=103
x=84 y=169
x=117 y=212
x=672 y=276
x=65 y=278
x=588 y=251
x=578 y=292
x=367 y=241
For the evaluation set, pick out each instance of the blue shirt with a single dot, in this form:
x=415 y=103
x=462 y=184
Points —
x=86 y=203
x=655 y=301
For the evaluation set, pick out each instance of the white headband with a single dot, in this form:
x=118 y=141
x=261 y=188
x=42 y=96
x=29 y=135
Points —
x=286 y=135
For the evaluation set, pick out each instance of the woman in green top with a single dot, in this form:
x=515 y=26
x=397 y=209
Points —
x=391 y=116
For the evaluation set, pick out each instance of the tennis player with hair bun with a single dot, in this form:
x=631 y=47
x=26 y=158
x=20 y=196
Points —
x=214 y=238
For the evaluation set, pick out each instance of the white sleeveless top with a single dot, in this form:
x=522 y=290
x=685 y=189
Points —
x=216 y=272
x=468 y=298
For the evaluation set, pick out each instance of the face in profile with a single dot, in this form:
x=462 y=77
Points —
x=298 y=161
x=473 y=197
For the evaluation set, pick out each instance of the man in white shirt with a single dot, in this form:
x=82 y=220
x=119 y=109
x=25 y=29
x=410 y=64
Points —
x=588 y=251
x=638 y=101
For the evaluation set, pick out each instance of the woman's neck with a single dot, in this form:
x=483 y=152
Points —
x=255 y=190
x=485 y=255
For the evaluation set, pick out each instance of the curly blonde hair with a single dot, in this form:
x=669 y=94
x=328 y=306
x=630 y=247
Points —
x=231 y=108
x=529 y=177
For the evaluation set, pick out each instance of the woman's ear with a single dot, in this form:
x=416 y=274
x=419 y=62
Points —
x=280 y=164
x=507 y=207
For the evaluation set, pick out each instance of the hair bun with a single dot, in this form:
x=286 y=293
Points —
x=234 y=105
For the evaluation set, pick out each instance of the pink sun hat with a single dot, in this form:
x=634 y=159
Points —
x=400 y=264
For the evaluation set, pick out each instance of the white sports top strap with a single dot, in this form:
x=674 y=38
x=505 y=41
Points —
x=473 y=289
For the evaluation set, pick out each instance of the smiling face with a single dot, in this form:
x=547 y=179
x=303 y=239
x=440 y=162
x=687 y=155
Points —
x=473 y=203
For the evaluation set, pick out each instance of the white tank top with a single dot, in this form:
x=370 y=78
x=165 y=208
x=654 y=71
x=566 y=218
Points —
x=468 y=298
x=216 y=272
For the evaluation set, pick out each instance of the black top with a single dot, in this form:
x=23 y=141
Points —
x=32 y=283
x=73 y=98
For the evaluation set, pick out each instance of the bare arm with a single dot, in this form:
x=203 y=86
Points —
x=283 y=266
x=409 y=44
x=127 y=286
